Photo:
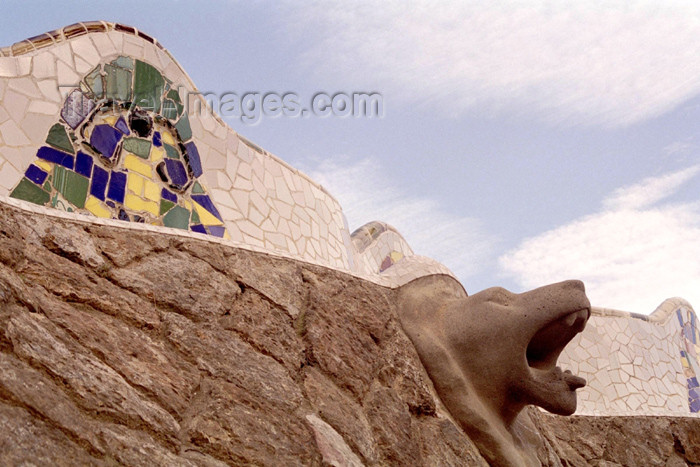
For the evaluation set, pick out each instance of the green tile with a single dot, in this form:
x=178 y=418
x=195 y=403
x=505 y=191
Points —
x=197 y=188
x=169 y=110
x=47 y=185
x=175 y=96
x=117 y=83
x=195 y=217
x=148 y=86
x=94 y=82
x=178 y=217
x=140 y=147
x=165 y=206
x=72 y=186
x=59 y=139
x=124 y=62
x=171 y=152
x=183 y=128
x=29 y=191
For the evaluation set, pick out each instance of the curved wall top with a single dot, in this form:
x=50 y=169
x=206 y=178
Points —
x=99 y=121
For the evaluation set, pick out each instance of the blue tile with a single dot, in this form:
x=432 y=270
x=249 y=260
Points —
x=55 y=156
x=217 y=230
x=117 y=186
x=105 y=138
x=156 y=140
x=198 y=228
x=207 y=204
x=695 y=406
x=176 y=172
x=193 y=159
x=165 y=194
x=99 y=183
x=122 y=126
x=36 y=175
x=83 y=164
x=693 y=382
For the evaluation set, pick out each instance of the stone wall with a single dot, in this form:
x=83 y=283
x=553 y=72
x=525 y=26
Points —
x=130 y=347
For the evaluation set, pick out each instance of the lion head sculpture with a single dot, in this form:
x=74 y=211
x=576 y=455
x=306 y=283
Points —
x=491 y=354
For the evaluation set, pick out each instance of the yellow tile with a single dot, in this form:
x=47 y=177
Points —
x=44 y=164
x=205 y=216
x=226 y=235
x=151 y=190
x=157 y=154
x=136 y=164
x=96 y=207
x=110 y=120
x=187 y=204
x=135 y=203
x=396 y=256
x=135 y=183
x=166 y=137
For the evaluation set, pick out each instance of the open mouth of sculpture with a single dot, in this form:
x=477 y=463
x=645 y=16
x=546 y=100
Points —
x=548 y=343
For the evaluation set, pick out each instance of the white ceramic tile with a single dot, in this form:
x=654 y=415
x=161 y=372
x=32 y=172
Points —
x=13 y=135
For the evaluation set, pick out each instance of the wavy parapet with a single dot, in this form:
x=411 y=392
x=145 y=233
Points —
x=99 y=121
x=637 y=364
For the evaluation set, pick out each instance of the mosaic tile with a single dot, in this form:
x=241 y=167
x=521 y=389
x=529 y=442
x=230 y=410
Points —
x=76 y=107
x=58 y=138
x=29 y=191
x=178 y=217
x=36 y=175
x=183 y=128
x=105 y=138
x=72 y=186
x=165 y=194
x=165 y=206
x=122 y=126
x=192 y=157
x=100 y=179
x=171 y=152
x=95 y=83
x=57 y=157
x=117 y=83
x=140 y=147
x=148 y=86
x=83 y=164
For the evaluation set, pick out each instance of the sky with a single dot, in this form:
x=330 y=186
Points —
x=520 y=143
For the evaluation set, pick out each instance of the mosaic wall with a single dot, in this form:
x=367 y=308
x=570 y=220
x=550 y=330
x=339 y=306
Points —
x=637 y=364
x=99 y=123
x=98 y=119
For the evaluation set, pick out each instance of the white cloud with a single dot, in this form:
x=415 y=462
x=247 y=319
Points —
x=593 y=62
x=649 y=191
x=631 y=255
x=366 y=194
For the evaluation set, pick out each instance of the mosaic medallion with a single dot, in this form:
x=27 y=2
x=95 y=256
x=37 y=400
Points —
x=123 y=149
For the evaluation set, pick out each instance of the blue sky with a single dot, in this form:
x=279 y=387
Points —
x=522 y=143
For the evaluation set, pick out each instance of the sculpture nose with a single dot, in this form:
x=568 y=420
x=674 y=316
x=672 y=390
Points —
x=574 y=284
